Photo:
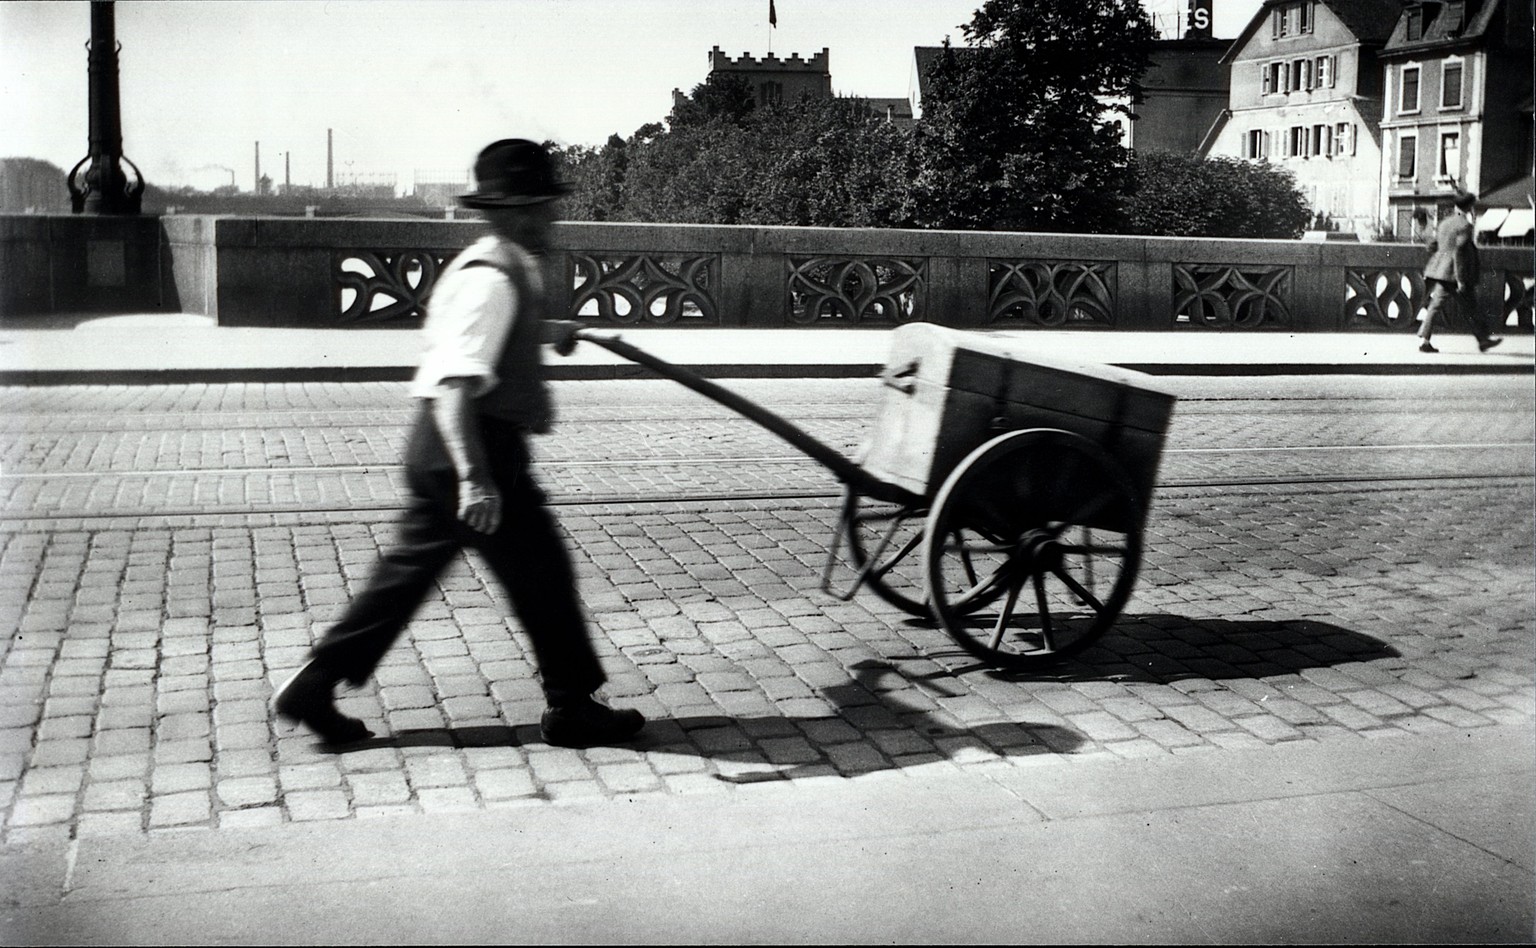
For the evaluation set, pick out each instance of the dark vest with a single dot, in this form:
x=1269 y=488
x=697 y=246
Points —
x=520 y=395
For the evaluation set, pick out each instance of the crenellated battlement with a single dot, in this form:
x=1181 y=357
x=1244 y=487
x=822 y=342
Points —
x=818 y=64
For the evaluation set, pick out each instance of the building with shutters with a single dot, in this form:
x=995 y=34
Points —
x=1457 y=113
x=1305 y=93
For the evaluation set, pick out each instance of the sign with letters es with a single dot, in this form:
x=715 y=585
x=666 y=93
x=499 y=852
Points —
x=1200 y=17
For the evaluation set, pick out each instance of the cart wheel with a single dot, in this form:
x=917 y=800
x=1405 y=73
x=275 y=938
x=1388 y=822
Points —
x=1032 y=547
x=883 y=540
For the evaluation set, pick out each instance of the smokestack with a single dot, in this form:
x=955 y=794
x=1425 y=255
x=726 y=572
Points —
x=257 y=188
x=287 y=169
x=330 y=161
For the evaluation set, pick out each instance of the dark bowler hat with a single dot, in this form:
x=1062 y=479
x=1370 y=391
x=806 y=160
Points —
x=511 y=173
x=1465 y=200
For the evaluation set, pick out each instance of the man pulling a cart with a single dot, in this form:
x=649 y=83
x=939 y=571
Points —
x=481 y=391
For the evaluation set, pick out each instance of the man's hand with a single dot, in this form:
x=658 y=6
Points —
x=480 y=505
x=561 y=333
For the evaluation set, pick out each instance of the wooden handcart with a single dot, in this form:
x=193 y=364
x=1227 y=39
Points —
x=1001 y=494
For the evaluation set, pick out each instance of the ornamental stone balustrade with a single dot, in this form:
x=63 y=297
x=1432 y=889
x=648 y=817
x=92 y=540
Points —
x=373 y=273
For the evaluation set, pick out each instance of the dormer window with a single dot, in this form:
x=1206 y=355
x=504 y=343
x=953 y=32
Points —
x=1291 y=19
x=1451 y=19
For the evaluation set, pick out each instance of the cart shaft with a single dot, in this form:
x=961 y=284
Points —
x=845 y=470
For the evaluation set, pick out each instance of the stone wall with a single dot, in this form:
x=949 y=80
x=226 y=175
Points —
x=271 y=271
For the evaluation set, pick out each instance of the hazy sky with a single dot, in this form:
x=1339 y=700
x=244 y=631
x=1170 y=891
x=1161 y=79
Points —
x=421 y=85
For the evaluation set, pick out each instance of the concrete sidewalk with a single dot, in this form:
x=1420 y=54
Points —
x=179 y=348
x=1421 y=840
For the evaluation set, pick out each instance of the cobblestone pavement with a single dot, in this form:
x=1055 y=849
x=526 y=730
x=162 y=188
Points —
x=1336 y=562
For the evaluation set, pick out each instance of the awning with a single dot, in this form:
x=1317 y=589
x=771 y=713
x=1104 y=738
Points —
x=1521 y=221
x=1491 y=219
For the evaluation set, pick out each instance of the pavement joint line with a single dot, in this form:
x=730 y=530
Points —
x=41 y=522
x=391 y=467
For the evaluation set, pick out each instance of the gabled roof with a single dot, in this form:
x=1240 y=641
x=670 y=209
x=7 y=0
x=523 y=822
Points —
x=925 y=56
x=1475 y=22
x=1369 y=21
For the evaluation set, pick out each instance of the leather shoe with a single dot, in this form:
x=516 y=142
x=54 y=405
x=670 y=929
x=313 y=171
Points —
x=1426 y=347
x=1489 y=343
x=307 y=699
x=589 y=724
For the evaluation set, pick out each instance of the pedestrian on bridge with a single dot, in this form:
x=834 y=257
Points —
x=1452 y=274
x=481 y=391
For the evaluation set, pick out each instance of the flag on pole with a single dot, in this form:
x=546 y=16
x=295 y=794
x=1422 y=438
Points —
x=773 y=15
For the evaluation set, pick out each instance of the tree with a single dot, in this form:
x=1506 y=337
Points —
x=596 y=176
x=696 y=174
x=814 y=162
x=1181 y=195
x=33 y=186
x=828 y=163
x=1018 y=129
x=721 y=95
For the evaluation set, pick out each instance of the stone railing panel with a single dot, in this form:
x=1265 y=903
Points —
x=855 y=291
x=1051 y=294
x=644 y=289
x=384 y=286
x=334 y=272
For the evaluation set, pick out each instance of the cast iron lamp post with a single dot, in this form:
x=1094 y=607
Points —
x=98 y=184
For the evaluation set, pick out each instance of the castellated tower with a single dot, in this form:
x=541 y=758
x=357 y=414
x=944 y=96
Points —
x=775 y=80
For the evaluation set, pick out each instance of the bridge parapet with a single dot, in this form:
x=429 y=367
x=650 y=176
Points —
x=375 y=273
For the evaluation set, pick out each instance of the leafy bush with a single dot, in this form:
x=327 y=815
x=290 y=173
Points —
x=1180 y=195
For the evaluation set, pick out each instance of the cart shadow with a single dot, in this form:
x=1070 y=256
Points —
x=1159 y=648
x=872 y=730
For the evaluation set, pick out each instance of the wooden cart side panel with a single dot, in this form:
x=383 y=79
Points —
x=922 y=437
x=905 y=435
x=971 y=420
x=947 y=392
x=1100 y=397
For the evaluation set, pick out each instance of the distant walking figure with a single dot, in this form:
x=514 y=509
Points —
x=1452 y=274
x=481 y=390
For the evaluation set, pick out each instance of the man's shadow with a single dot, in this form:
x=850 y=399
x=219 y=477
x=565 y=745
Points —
x=871 y=710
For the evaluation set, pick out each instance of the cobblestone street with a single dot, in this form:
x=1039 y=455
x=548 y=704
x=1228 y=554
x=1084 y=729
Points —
x=1321 y=566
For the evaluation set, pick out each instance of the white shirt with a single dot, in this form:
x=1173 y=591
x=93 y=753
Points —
x=468 y=318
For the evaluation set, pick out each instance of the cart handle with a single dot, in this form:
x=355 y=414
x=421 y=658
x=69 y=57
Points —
x=856 y=477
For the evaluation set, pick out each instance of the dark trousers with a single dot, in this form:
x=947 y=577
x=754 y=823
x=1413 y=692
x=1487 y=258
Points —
x=1442 y=292
x=527 y=556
